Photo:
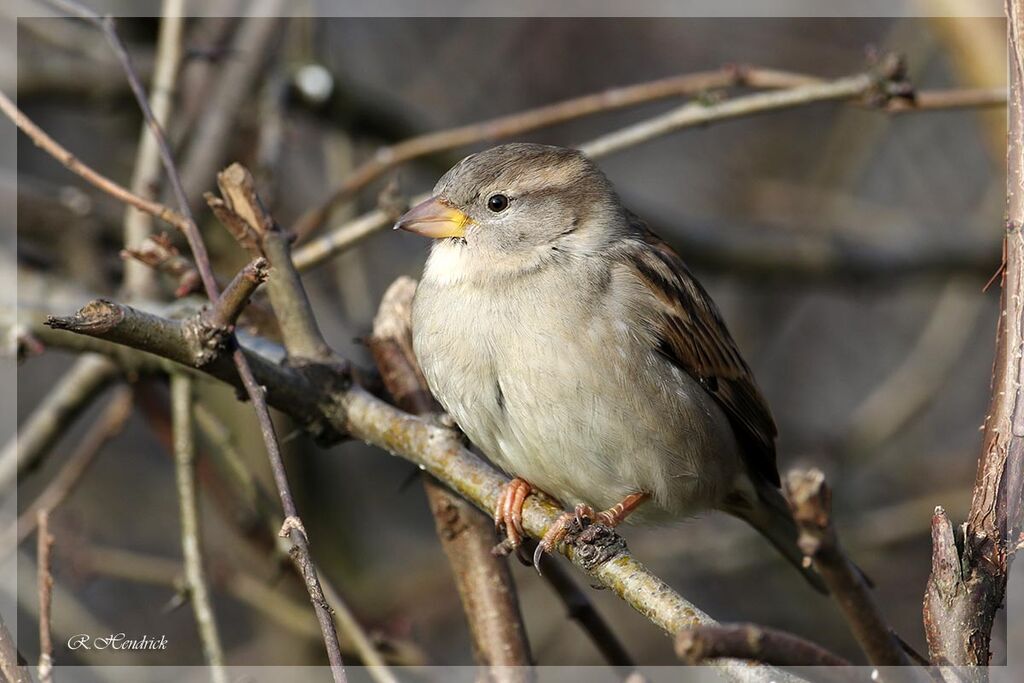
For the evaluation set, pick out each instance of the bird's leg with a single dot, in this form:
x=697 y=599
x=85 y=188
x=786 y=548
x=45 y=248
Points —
x=611 y=518
x=508 y=512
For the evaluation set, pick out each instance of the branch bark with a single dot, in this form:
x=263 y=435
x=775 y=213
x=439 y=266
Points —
x=749 y=641
x=967 y=586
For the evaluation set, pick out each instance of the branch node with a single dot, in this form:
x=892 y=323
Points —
x=206 y=339
x=96 y=317
x=292 y=523
x=594 y=545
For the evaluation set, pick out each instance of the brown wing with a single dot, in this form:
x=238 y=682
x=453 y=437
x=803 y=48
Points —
x=693 y=336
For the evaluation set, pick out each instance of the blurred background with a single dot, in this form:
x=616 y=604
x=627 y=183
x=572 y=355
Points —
x=846 y=247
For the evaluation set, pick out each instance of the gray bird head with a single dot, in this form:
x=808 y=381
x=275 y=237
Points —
x=519 y=201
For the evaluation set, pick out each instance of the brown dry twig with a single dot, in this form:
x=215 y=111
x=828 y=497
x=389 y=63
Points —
x=45 y=579
x=811 y=501
x=158 y=252
x=696 y=645
x=248 y=220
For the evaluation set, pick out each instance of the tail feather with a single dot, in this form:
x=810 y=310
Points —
x=769 y=514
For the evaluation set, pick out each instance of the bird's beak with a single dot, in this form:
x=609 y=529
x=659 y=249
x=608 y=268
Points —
x=434 y=218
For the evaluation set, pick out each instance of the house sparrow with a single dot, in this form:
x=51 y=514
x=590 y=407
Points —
x=576 y=350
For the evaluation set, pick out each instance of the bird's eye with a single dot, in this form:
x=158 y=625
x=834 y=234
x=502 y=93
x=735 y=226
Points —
x=497 y=203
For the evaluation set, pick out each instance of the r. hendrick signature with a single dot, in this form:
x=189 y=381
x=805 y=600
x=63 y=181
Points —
x=116 y=641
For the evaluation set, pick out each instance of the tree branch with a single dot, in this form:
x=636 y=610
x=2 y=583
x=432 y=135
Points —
x=191 y=543
x=139 y=280
x=699 y=644
x=73 y=394
x=243 y=212
x=45 y=580
x=699 y=114
x=315 y=399
x=967 y=586
x=811 y=501
x=612 y=99
x=293 y=527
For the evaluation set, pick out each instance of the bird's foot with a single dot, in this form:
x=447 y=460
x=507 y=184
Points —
x=508 y=514
x=570 y=525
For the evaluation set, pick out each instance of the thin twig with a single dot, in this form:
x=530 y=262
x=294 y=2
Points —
x=612 y=99
x=293 y=526
x=482 y=579
x=191 y=543
x=261 y=522
x=139 y=280
x=72 y=163
x=45 y=578
x=106 y=426
x=211 y=134
x=811 y=501
x=699 y=114
x=157 y=252
x=235 y=296
x=244 y=214
x=699 y=644
x=75 y=392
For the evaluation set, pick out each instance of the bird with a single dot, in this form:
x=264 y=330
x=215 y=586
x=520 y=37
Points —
x=578 y=352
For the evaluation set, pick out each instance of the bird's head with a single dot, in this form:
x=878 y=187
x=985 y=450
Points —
x=517 y=204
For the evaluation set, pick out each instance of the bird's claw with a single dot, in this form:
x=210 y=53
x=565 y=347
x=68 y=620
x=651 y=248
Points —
x=565 y=528
x=508 y=514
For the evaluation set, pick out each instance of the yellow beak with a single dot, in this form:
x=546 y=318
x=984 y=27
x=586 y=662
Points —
x=434 y=218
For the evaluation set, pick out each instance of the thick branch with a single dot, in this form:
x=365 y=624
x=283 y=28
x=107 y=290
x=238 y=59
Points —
x=967 y=586
x=811 y=500
x=353 y=410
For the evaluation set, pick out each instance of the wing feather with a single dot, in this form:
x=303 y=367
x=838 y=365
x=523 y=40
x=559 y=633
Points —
x=693 y=336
